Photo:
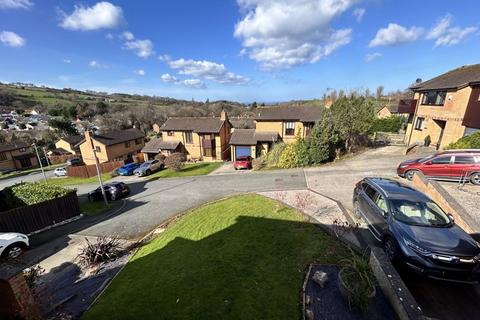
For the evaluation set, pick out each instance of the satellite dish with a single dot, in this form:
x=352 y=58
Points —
x=419 y=80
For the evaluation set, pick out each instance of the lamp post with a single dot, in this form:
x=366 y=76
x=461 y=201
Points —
x=88 y=136
x=39 y=161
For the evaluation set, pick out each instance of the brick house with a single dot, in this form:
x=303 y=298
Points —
x=447 y=107
x=120 y=145
x=17 y=156
x=203 y=138
x=68 y=144
x=157 y=146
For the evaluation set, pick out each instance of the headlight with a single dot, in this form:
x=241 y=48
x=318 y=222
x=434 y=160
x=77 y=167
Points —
x=403 y=166
x=417 y=248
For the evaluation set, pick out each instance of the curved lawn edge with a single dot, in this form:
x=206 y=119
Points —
x=240 y=257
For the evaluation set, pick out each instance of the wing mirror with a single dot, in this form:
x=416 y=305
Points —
x=452 y=219
x=428 y=162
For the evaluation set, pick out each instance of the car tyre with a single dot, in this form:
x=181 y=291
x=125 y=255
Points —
x=390 y=248
x=409 y=174
x=475 y=178
x=148 y=172
x=14 y=251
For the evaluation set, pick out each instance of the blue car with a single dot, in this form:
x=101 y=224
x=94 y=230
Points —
x=127 y=170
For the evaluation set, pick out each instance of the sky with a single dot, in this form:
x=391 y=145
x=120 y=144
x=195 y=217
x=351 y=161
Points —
x=243 y=50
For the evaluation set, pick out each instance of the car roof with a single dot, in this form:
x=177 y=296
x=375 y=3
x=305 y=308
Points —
x=396 y=190
x=459 y=151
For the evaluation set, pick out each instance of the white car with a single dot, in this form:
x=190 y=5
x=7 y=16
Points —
x=12 y=244
x=60 y=172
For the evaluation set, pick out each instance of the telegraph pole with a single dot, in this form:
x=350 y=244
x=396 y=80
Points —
x=97 y=166
x=46 y=158
x=39 y=161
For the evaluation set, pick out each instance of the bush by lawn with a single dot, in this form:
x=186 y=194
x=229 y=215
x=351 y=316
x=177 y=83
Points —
x=188 y=169
x=25 y=194
x=469 y=142
x=240 y=258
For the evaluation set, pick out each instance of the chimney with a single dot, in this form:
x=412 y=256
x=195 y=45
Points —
x=223 y=115
x=88 y=135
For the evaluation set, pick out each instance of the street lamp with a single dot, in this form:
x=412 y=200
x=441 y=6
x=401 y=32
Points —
x=97 y=166
x=39 y=161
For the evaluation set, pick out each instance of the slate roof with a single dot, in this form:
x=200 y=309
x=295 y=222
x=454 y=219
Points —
x=293 y=113
x=454 y=79
x=115 y=137
x=74 y=139
x=157 y=145
x=251 y=137
x=194 y=124
x=12 y=146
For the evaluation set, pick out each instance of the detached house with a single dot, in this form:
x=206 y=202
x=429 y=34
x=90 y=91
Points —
x=202 y=138
x=120 y=145
x=68 y=145
x=17 y=156
x=447 y=107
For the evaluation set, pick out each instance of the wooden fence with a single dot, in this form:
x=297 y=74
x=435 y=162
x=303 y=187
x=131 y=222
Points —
x=87 y=171
x=62 y=158
x=41 y=215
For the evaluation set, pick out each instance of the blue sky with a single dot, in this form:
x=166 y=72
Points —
x=244 y=50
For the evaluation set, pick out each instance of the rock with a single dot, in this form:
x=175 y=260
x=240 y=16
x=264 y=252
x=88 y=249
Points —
x=309 y=314
x=320 y=278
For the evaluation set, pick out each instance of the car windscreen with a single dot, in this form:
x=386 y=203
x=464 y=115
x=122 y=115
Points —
x=145 y=165
x=422 y=213
x=427 y=158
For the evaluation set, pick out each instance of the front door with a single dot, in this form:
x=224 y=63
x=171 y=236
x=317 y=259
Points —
x=441 y=125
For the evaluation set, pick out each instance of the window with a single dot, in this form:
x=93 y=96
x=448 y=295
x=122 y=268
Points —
x=127 y=144
x=23 y=149
x=419 y=123
x=434 y=98
x=188 y=137
x=371 y=193
x=308 y=128
x=3 y=156
x=441 y=160
x=289 y=128
x=138 y=141
x=381 y=204
x=98 y=149
x=464 y=160
x=170 y=133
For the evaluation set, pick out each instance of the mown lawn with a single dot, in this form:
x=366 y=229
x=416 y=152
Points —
x=92 y=208
x=240 y=258
x=72 y=181
x=189 y=169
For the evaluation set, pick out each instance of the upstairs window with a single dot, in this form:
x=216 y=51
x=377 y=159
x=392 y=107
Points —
x=138 y=141
x=434 y=98
x=170 y=133
x=97 y=149
x=188 y=137
x=419 y=123
x=23 y=150
x=289 y=128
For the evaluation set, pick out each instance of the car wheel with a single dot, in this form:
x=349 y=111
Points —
x=390 y=248
x=113 y=197
x=14 y=251
x=148 y=172
x=409 y=174
x=475 y=178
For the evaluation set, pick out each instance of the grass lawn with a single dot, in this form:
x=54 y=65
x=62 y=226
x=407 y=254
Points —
x=91 y=208
x=240 y=258
x=189 y=169
x=71 y=181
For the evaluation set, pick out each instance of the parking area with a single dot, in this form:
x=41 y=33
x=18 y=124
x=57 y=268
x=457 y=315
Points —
x=227 y=168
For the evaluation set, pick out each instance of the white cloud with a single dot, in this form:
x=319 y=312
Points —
x=140 y=72
x=142 y=48
x=15 y=4
x=127 y=35
x=164 y=57
x=285 y=33
x=444 y=35
x=369 y=57
x=191 y=83
x=206 y=69
x=103 y=15
x=395 y=34
x=11 y=39
x=98 y=65
x=67 y=61
x=358 y=14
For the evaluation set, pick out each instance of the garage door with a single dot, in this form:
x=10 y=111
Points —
x=243 y=151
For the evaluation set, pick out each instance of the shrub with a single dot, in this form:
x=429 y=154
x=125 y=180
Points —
x=104 y=249
x=160 y=157
x=273 y=156
x=25 y=194
x=175 y=161
x=32 y=274
x=289 y=156
x=469 y=142
x=390 y=124
x=258 y=163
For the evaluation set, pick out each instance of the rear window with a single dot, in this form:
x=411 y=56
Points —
x=464 y=160
x=369 y=191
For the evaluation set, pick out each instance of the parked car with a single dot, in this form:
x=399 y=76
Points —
x=148 y=167
x=415 y=231
x=60 y=172
x=445 y=165
x=127 y=170
x=113 y=190
x=243 y=162
x=74 y=162
x=12 y=244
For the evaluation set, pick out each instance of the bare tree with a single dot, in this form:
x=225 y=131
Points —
x=379 y=92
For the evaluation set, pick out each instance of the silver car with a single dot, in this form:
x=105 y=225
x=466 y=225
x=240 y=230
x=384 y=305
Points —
x=148 y=167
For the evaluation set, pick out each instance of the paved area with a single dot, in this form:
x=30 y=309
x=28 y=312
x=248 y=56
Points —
x=227 y=168
x=32 y=177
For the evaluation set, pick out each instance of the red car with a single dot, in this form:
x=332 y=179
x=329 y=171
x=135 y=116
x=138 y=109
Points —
x=244 y=162
x=445 y=165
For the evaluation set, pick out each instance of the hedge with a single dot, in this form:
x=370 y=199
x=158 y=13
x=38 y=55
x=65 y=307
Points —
x=25 y=194
x=469 y=142
x=390 y=124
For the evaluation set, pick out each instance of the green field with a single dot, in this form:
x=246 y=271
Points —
x=240 y=258
x=91 y=208
x=72 y=181
x=189 y=169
